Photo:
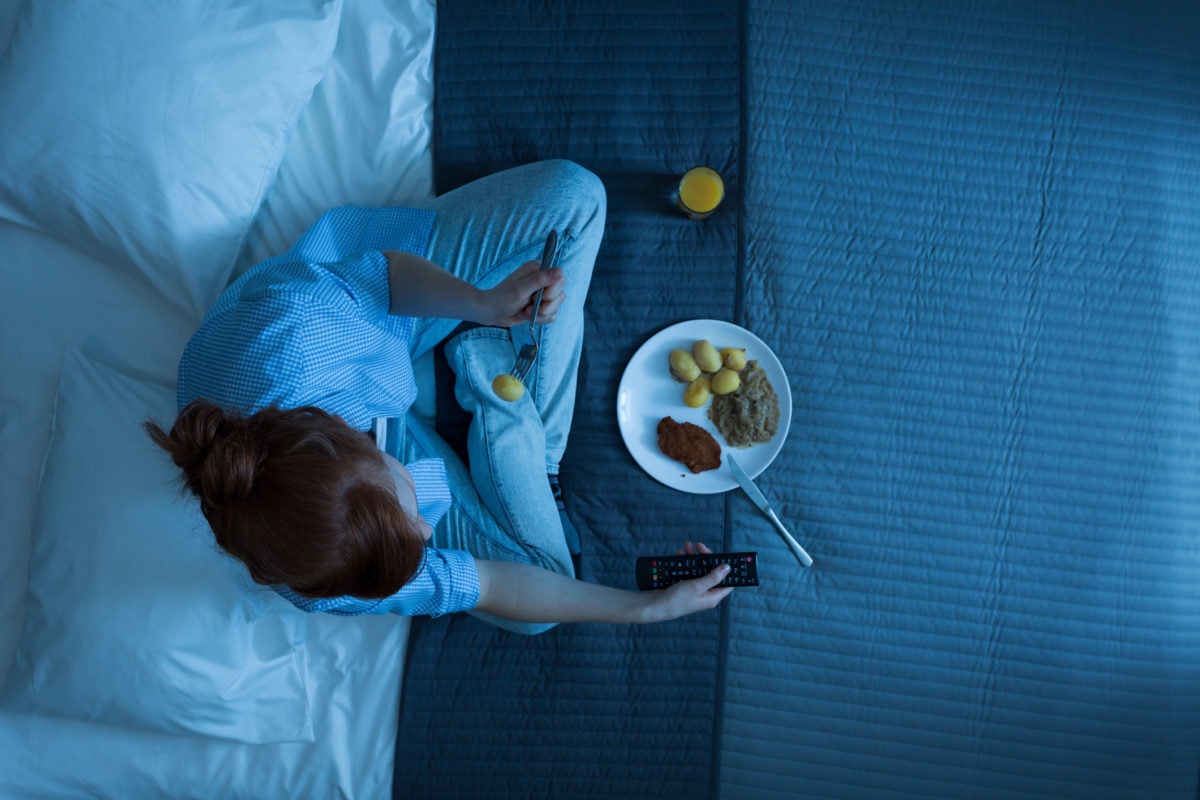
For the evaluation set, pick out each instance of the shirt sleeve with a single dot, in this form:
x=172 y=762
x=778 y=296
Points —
x=291 y=334
x=448 y=581
x=433 y=489
x=348 y=230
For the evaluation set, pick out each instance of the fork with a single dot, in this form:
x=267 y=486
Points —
x=529 y=349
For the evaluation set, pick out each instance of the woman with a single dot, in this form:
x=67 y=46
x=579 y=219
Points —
x=281 y=384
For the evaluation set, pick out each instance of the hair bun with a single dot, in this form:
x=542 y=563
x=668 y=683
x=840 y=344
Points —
x=220 y=454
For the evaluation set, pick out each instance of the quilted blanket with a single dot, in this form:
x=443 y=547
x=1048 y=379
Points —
x=971 y=234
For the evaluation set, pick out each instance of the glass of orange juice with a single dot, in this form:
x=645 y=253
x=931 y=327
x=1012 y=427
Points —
x=701 y=190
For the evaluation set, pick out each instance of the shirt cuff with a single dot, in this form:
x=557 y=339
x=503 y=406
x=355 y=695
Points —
x=459 y=578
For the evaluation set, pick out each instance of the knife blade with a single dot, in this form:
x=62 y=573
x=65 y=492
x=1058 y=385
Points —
x=760 y=500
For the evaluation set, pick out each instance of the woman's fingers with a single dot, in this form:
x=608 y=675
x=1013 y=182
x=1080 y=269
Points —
x=553 y=284
x=697 y=594
x=713 y=578
x=709 y=592
x=552 y=298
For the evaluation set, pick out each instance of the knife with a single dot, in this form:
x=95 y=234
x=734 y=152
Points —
x=760 y=500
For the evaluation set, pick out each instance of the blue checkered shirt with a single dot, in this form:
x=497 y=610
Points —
x=311 y=327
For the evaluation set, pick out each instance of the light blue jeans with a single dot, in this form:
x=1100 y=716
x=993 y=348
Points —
x=503 y=507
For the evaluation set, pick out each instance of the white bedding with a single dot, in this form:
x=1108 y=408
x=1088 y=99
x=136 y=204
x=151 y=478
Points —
x=136 y=661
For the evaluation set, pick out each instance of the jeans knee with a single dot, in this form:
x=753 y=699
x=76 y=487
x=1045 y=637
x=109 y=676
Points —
x=582 y=187
x=585 y=184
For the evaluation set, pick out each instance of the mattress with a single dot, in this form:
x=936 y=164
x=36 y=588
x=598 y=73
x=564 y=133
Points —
x=971 y=237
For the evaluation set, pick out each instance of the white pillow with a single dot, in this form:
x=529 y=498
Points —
x=150 y=130
x=365 y=137
x=133 y=616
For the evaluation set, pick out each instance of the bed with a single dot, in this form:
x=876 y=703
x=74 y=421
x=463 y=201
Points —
x=141 y=171
x=969 y=233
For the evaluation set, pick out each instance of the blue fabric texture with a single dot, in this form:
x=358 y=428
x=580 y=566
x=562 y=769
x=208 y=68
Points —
x=311 y=327
x=969 y=232
x=636 y=94
x=971 y=236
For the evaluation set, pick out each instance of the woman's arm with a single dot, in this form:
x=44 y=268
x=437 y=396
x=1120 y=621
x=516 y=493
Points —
x=524 y=593
x=420 y=288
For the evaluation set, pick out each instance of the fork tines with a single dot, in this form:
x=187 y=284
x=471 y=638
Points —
x=525 y=359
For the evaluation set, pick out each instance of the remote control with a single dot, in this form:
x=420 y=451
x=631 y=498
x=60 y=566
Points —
x=659 y=572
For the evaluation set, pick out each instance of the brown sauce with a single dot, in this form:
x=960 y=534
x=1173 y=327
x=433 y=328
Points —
x=749 y=415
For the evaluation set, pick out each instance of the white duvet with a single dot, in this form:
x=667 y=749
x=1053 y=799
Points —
x=148 y=153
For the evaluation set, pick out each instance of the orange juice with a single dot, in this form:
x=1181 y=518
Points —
x=700 y=192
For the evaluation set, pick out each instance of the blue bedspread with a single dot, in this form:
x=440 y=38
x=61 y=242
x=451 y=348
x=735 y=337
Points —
x=972 y=235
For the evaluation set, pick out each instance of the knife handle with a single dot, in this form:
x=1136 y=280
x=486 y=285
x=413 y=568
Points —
x=797 y=550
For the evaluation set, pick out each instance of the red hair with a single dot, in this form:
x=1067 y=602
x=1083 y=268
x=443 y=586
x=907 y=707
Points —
x=298 y=496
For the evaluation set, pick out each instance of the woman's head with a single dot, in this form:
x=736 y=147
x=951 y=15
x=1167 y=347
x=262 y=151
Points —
x=299 y=497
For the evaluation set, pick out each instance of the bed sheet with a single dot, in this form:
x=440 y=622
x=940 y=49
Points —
x=353 y=718
x=363 y=137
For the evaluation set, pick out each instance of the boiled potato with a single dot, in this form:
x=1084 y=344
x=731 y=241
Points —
x=707 y=357
x=683 y=366
x=697 y=392
x=508 y=387
x=734 y=358
x=725 y=381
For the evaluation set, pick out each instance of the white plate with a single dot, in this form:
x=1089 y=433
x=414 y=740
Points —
x=648 y=393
